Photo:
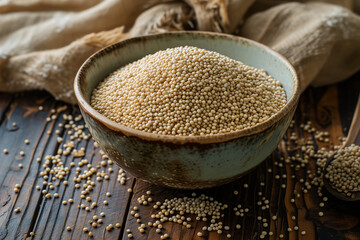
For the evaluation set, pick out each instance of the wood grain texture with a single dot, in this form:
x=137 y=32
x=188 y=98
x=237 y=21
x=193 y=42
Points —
x=328 y=108
x=31 y=125
x=5 y=100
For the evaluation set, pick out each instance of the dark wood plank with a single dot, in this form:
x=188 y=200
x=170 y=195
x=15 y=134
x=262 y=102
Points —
x=54 y=217
x=30 y=124
x=5 y=100
x=347 y=101
x=48 y=218
x=49 y=207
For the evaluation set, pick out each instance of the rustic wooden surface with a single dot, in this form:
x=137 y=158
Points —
x=329 y=108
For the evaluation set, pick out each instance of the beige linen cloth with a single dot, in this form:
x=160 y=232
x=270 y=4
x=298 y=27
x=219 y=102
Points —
x=44 y=42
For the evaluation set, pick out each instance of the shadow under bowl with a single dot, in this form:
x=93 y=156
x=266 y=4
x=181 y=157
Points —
x=186 y=162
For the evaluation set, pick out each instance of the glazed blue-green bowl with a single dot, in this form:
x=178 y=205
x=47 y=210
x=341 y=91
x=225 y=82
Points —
x=186 y=162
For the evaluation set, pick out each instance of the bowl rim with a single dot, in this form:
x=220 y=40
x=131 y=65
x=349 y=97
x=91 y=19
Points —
x=201 y=139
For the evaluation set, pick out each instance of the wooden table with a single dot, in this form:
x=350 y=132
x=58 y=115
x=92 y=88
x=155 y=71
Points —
x=329 y=108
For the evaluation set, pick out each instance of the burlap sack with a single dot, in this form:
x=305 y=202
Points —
x=321 y=40
x=44 y=42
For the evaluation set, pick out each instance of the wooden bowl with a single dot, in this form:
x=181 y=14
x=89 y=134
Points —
x=186 y=162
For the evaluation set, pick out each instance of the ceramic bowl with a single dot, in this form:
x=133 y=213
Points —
x=186 y=162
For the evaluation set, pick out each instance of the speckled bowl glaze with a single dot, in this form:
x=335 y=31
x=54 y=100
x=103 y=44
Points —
x=186 y=162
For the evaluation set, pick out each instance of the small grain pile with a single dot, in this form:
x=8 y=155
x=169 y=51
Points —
x=344 y=171
x=188 y=91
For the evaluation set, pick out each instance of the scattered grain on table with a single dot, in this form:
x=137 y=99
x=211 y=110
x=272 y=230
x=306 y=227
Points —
x=302 y=146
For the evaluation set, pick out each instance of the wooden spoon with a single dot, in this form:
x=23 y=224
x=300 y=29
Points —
x=352 y=135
